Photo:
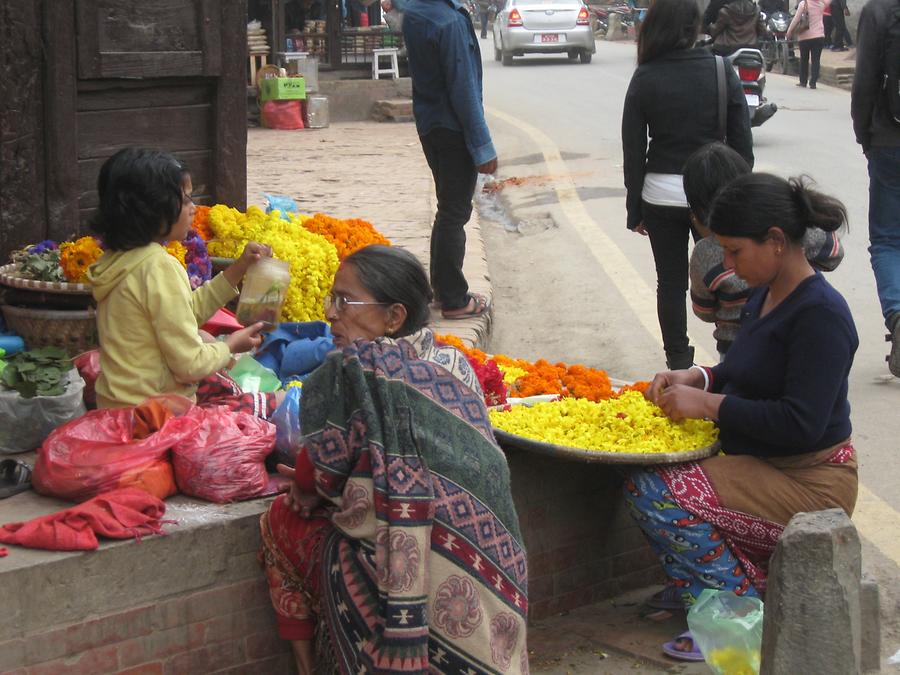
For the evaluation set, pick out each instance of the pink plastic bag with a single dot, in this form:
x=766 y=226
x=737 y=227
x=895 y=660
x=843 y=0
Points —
x=224 y=461
x=115 y=448
x=282 y=115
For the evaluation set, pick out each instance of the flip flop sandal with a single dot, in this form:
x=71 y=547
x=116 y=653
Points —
x=671 y=649
x=668 y=598
x=15 y=477
x=482 y=306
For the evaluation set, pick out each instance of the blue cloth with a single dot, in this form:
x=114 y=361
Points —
x=294 y=350
x=445 y=67
x=884 y=226
x=692 y=552
x=785 y=378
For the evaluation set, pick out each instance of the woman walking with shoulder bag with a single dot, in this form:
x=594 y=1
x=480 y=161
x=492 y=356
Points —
x=676 y=100
x=809 y=27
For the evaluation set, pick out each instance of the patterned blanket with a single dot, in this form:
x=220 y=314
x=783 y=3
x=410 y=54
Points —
x=424 y=570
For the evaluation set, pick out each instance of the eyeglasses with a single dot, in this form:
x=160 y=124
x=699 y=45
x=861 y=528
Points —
x=340 y=303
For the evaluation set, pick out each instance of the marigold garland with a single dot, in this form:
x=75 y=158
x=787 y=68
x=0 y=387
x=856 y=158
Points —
x=201 y=222
x=628 y=423
x=178 y=251
x=75 y=257
x=313 y=259
x=347 y=236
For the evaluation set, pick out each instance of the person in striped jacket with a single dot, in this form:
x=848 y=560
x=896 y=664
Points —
x=718 y=295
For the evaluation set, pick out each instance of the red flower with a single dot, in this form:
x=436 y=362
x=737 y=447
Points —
x=491 y=380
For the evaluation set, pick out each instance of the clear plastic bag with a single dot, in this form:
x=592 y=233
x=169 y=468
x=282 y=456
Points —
x=727 y=629
x=286 y=419
x=224 y=461
x=26 y=422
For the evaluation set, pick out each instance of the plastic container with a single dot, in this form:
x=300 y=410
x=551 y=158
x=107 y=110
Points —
x=11 y=344
x=262 y=296
x=317 y=112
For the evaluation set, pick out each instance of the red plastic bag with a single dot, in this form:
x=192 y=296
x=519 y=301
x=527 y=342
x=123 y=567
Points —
x=222 y=322
x=224 y=460
x=88 y=365
x=115 y=448
x=282 y=115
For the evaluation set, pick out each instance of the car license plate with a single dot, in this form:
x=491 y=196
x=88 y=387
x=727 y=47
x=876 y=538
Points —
x=550 y=37
x=752 y=100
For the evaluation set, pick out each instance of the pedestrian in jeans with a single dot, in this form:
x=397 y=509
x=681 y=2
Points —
x=839 y=10
x=673 y=98
x=879 y=135
x=445 y=67
x=811 y=40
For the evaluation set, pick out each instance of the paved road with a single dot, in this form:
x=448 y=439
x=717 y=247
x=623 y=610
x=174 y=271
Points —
x=566 y=257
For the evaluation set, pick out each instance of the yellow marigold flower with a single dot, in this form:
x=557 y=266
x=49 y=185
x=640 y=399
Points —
x=629 y=423
x=75 y=257
x=177 y=250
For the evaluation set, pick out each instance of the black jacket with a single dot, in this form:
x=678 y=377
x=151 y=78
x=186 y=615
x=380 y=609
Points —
x=674 y=99
x=871 y=122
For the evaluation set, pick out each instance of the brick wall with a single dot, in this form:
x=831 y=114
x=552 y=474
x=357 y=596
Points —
x=227 y=629
x=583 y=545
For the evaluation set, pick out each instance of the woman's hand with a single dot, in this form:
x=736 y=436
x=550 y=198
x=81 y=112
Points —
x=298 y=501
x=692 y=377
x=252 y=252
x=246 y=339
x=682 y=401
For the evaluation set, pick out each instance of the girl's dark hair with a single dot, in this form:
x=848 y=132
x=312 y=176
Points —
x=706 y=171
x=749 y=205
x=141 y=196
x=395 y=275
x=669 y=25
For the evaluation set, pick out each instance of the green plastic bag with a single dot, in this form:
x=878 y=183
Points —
x=727 y=629
x=253 y=377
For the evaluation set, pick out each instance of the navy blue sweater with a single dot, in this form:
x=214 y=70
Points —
x=785 y=377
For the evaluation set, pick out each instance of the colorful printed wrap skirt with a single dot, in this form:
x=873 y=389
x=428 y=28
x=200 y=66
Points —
x=416 y=565
x=711 y=529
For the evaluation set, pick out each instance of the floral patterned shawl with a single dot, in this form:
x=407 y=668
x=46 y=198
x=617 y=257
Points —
x=424 y=570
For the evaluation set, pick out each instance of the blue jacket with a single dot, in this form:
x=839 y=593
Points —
x=445 y=66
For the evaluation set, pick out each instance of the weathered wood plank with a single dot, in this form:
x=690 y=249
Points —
x=124 y=94
x=60 y=121
x=230 y=141
x=103 y=132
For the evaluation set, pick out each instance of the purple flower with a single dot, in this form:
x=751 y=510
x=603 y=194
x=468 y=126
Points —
x=43 y=247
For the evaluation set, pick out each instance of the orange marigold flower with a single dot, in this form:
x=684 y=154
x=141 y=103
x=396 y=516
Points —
x=347 y=236
x=201 y=223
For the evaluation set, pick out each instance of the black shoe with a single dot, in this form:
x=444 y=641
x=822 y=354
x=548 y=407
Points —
x=801 y=84
x=680 y=360
x=894 y=338
x=812 y=85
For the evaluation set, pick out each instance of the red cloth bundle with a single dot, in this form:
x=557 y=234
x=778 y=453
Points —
x=121 y=514
x=224 y=460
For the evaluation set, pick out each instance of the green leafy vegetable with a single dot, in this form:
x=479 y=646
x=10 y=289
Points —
x=40 y=372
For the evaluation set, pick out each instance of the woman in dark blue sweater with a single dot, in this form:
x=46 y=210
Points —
x=780 y=400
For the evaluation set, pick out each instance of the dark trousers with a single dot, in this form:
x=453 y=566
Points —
x=840 y=26
x=454 y=184
x=669 y=228
x=483 y=18
x=811 y=50
x=828 y=24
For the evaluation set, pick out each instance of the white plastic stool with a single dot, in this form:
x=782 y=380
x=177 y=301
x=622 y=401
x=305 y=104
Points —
x=377 y=70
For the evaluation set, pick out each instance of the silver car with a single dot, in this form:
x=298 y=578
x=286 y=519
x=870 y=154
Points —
x=543 y=27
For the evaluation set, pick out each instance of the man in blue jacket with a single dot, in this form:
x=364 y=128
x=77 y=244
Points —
x=445 y=66
x=879 y=135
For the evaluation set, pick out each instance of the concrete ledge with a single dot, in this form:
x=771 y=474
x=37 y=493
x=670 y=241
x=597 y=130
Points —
x=353 y=100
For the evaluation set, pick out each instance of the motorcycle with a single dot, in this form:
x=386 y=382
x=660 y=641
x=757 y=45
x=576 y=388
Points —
x=775 y=43
x=750 y=66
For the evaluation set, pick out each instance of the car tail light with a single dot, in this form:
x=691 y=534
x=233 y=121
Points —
x=748 y=73
x=515 y=19
x=584 y=19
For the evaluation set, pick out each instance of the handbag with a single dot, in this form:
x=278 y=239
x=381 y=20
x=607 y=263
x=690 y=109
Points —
x=803 y=22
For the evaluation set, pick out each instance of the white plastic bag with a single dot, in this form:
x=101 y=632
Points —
x=26 y=422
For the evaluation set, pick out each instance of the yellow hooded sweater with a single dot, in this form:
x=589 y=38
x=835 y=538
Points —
x=148 y=321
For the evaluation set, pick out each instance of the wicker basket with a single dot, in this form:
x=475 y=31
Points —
x=72 y=330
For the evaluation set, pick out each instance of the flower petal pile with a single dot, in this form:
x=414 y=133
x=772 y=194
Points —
x=75 y=257
x=347 y=236
x=313 y=259
x=629 y=423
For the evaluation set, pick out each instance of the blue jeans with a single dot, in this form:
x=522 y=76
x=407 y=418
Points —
x=884 y=226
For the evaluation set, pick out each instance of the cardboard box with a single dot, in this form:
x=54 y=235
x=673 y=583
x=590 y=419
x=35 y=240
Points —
x=282 y=89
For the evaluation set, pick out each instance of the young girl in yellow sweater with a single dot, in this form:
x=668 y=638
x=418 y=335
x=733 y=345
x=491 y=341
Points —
x=148 y=317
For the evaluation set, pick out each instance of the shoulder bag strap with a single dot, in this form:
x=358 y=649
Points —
x=723 y=97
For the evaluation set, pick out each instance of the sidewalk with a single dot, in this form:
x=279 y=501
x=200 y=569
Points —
x=838 y=67
x=369 y=170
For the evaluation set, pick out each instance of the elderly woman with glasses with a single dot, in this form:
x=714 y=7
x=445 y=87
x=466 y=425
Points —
x=397 y=547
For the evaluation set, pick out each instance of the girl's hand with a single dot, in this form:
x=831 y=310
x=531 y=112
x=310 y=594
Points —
x=691 y=377
x=252 y=252
x=297 y=500
x=246 y=339
x=640 y=229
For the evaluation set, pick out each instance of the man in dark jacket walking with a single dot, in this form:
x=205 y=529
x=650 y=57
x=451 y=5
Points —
x=879 y=135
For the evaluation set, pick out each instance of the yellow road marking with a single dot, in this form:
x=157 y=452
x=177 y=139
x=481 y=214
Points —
x=875 y=519
x=608 y=255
